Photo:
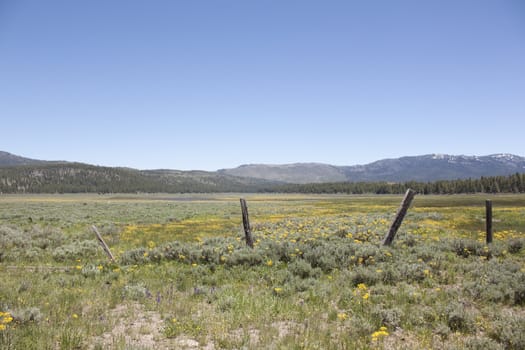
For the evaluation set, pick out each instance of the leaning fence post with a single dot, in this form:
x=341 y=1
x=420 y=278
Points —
x=401 y=212
x=488 y=218
x=104 y=245
x=246 y=224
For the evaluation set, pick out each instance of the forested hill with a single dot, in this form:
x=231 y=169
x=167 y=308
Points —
x=79 y=178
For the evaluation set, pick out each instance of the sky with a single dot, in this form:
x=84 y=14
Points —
x=210 y=84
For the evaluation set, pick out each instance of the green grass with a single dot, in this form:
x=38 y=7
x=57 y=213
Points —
x=318 y=277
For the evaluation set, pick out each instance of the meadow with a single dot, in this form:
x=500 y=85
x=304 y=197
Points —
x=317 y=278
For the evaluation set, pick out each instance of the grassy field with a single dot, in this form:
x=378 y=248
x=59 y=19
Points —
x=317 y=278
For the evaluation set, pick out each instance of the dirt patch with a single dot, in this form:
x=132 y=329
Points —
x=132 y=326
x=135 y=328
x=286 y=328
x=399 y=340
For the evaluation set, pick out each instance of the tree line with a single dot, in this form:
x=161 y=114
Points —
x=491 y=184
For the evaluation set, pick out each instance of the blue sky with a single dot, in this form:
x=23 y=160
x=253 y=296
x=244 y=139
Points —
x=214 y=84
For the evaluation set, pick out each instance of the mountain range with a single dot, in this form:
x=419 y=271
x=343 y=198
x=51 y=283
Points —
x=423 y=168
x=20 y=174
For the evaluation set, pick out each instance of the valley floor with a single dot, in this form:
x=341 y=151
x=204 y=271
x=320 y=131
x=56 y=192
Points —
x=317 y=278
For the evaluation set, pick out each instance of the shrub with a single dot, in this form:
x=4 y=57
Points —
x=413 y=272
x=360 y=327
x=390 y=275
x=76 y=250
x=515 y=245
x=519 y=290
x=45 y=237
x=134 y=256
x=458 y=318
x=364 y=275
x=279 y=251
x=26 y=315
x=11 y=237
x=342 y=233
x=303 y=269
x=135 y=291
x=39 y=237
x=298 y=284
x=466 y=248
x=245 y=256
x=90 y=270
x=476 y=343
x=390 y=318
x=174 y=251
x=316 y=255
x=509 y=330
x=368 y=254
x=500 y=282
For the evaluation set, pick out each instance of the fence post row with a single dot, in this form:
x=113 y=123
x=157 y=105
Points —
x=104 y=245
x=401 y=212
x=246 y=224
x=389 y=238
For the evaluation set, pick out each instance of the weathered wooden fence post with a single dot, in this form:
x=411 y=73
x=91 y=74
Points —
x=246 y=224
x=488 y=219
x=401 y=212
x=104 y=245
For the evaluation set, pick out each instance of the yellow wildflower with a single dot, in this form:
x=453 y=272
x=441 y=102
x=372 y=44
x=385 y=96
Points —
x=382 y=332
x=342 y=316
x=5 y=318
x=361 y=286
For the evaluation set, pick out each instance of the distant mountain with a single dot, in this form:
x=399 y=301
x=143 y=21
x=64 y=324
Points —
x=418 y=168
x=8 y=159
x=290 y=173
x=436 y=167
